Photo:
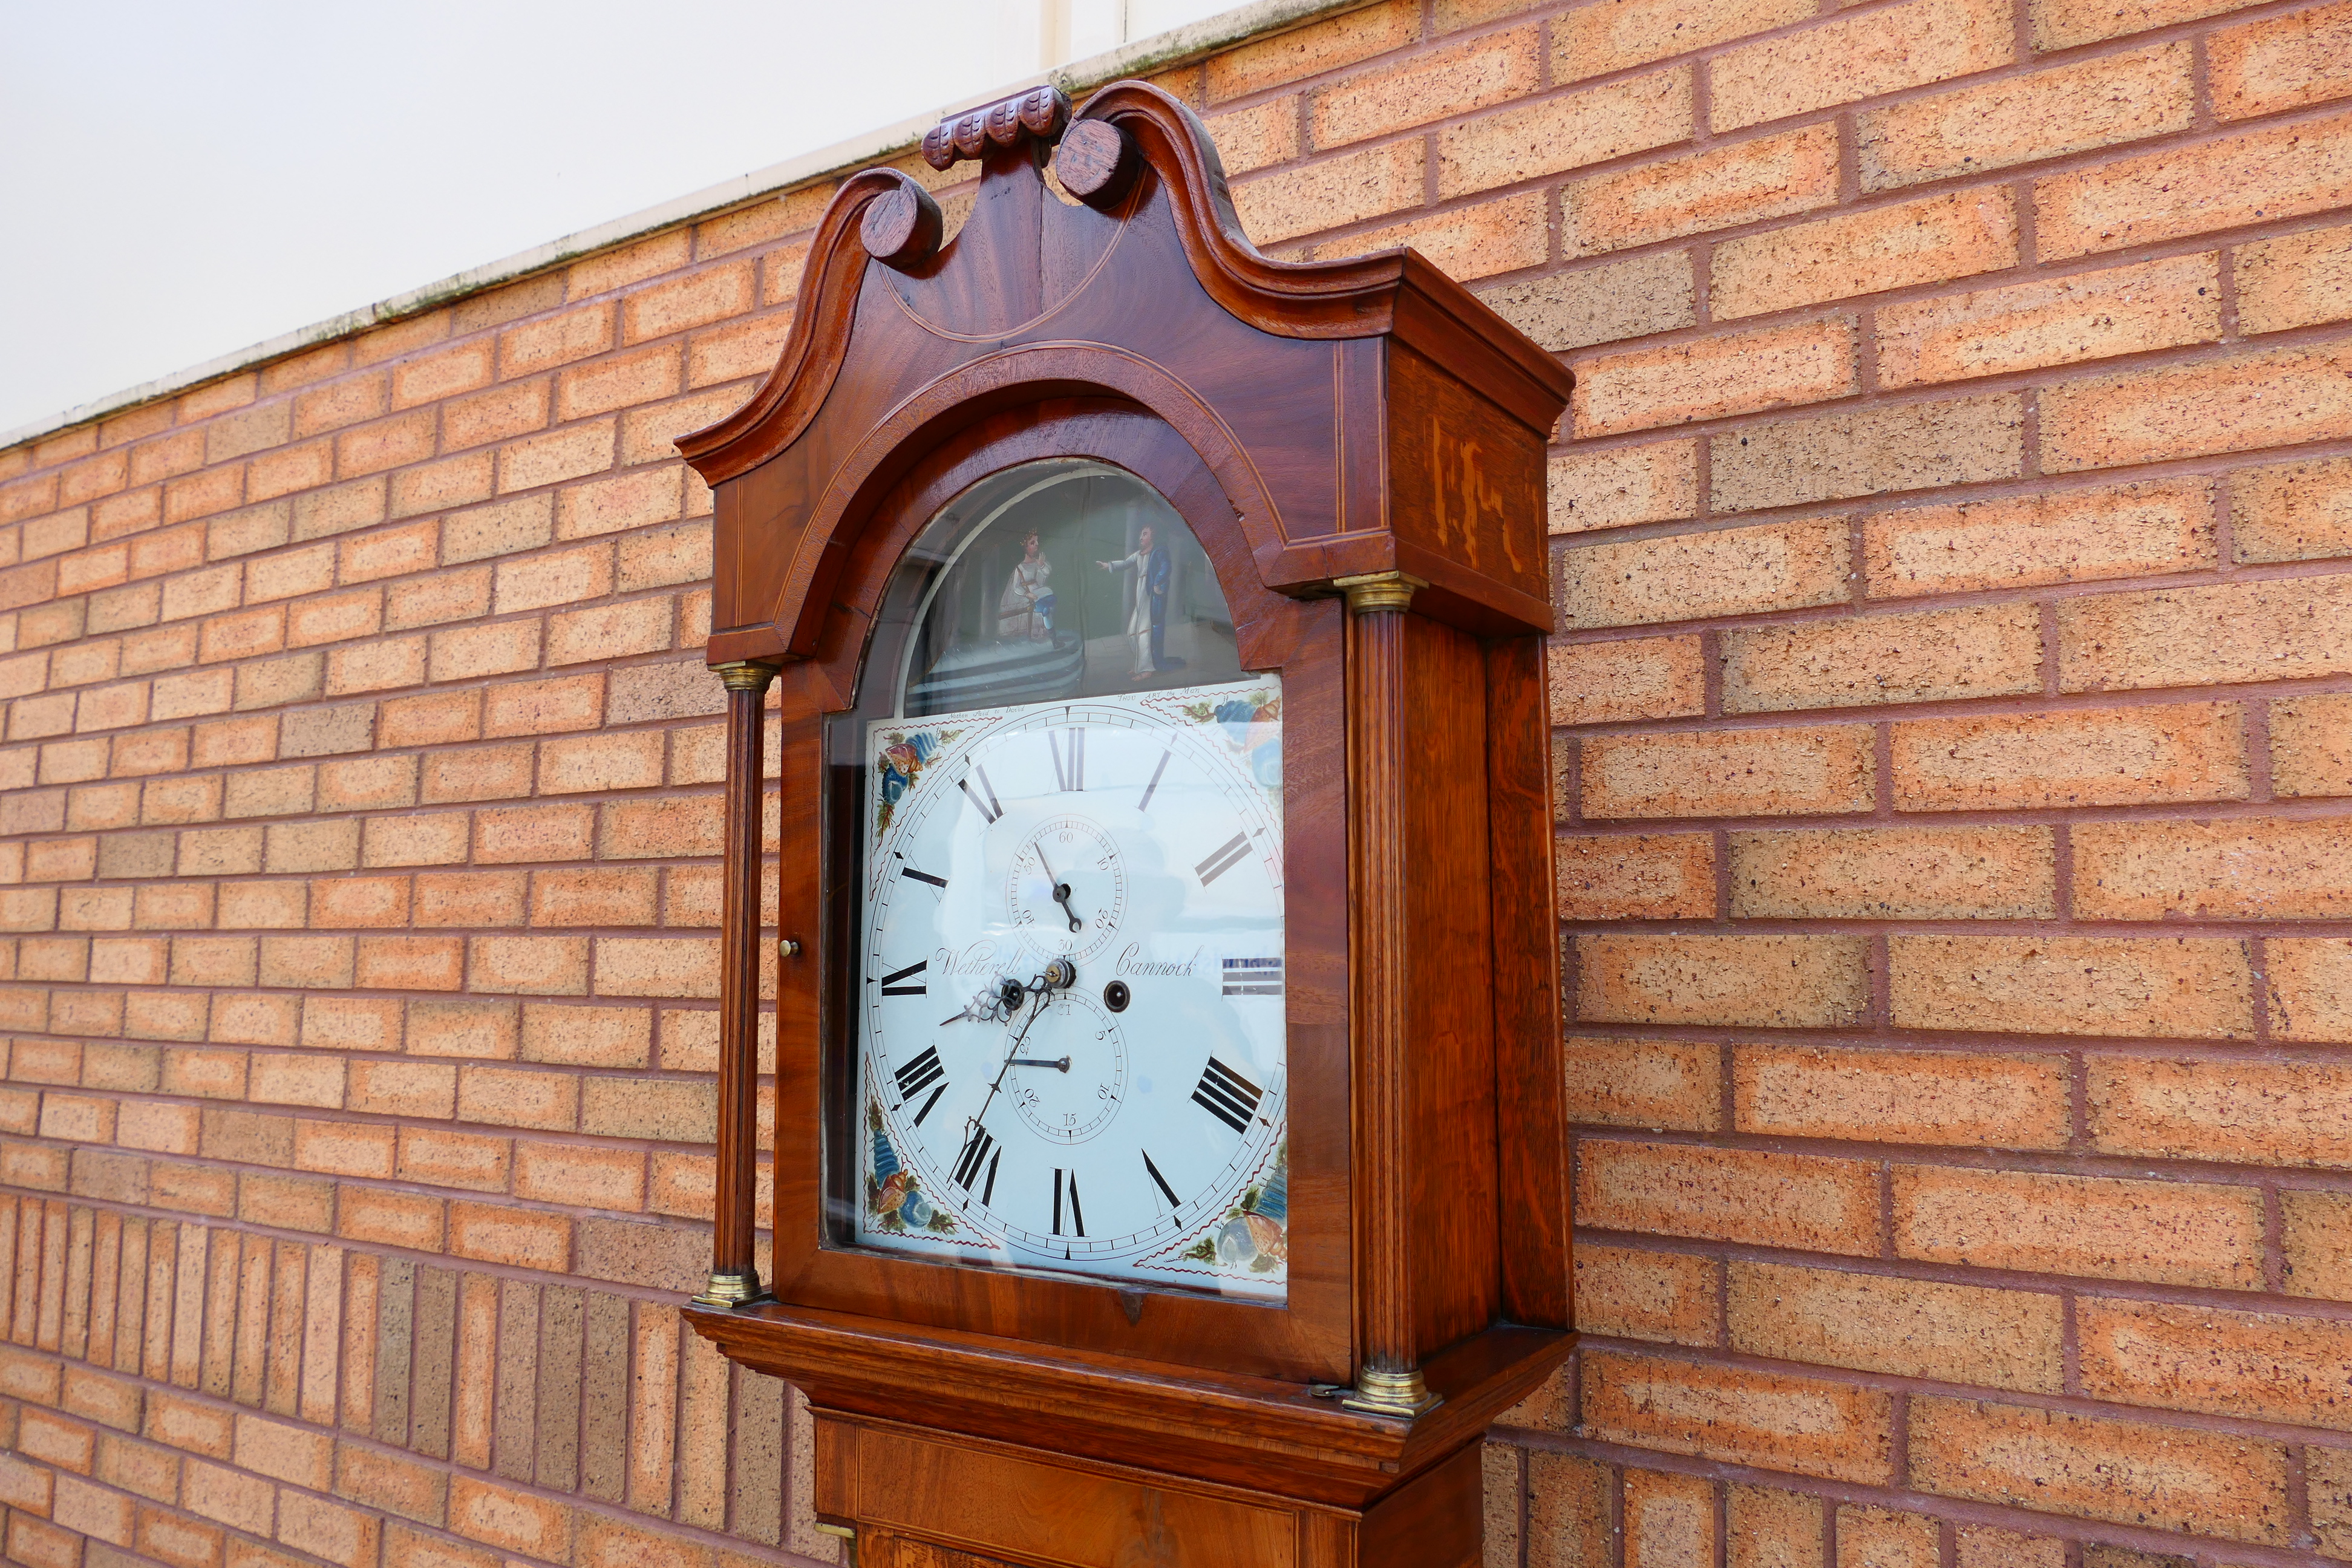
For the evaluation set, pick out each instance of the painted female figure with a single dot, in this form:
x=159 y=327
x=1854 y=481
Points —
x=1026 y=610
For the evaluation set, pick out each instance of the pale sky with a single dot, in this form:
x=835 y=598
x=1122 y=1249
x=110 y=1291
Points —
x=179 y=181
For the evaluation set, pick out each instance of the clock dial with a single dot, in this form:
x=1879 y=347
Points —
x=1070 y=1009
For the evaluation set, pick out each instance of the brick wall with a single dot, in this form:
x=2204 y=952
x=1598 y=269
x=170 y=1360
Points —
x=1955 y=702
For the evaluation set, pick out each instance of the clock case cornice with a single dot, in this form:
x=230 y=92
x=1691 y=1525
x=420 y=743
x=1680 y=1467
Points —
x=1315 y=424
x=1037 y=295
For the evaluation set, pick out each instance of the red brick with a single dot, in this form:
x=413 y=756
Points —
x=1862 y=56
x=1645 y=1083
x=1635 y=678
x=1936 y=656
x=2221 y=183
x=2282 y=62
x=446 y=375
x=469 y=653
x=2184 y=987
x=404 y=1089
x=1869 y=451
x=658 y=966
x=1728 y=1194
x=1925 y=241
x=1709 y=378
x=1903 y=1097
x=495 y=415
x=433 y=1157
x=1879 y=873
x=1635 y=877
x=2068 y=109
x=635 y=500
x=2173 y=1233
x=2161 y=1477
x=563 y=578
x=1769 y=176
x=436 y=600
x=1475 y=74
x=621 y=382
x=1822 y=770
x=467 y=1028
x=2267 y=1366
x=1687 y=577
x=697 y=300
x=410 y=1490
x=1909 y=1327
x=2237 y=870
x=2309 y=998
x=600 y=1178
x=387 y=1218
x=505 y=1097
x=556 y=340
x=2114 y=756
x=2295 y=280
x=1340 y=41
x=501 y=528
x=1740 y=1416
x=516 y=1238
x=2130 y=309
x=410 y=963
x=1664 y=1296
x=660 y=829
x=1333 y=193
x=2068 y=536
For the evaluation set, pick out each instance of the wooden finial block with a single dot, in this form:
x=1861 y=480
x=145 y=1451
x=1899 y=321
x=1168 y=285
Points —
x=1040 y=112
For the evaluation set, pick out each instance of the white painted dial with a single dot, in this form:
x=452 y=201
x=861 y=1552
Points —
x=1071 y=1005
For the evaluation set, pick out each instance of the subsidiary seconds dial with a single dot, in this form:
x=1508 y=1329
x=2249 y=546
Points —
x=1067 y=889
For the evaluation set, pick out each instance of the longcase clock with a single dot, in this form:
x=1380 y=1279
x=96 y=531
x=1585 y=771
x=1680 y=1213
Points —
x=1169 y=1158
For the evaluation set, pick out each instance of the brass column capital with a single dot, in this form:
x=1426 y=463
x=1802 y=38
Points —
x=1379 y=591
x=745 y=676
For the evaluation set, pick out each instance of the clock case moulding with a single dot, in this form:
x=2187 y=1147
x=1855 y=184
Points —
x=1313 y=423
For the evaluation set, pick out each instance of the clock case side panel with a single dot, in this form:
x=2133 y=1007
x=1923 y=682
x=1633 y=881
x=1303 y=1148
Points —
x=1487 y=1140
x=1307 y=1338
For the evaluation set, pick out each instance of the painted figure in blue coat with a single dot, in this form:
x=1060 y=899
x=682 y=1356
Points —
x=1147 y=623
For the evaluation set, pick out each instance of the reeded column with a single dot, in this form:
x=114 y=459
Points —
x=1389 y=1382
x=734 y=1278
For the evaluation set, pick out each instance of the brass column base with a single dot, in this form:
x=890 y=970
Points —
x=1399 y=1394
x=727 y=1291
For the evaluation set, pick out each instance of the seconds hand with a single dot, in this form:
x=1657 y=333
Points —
x=1061 y=888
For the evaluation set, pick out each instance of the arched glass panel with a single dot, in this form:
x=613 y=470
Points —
x=1057 y=580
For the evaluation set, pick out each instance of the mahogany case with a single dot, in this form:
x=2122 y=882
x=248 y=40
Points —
x=1319 y=427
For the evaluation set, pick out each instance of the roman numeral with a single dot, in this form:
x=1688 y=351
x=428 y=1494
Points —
x=1159 y=1181
x=1230 y=854
x=1227 y=1096
x=891 y=986
x=920 y=1074
x=909 y=871
x=976 y=1149
x=928 y=1103
x=1077 y=1215
x=1074 y=776
x=984 y=798
x=988 y=1194
x=1154 y=785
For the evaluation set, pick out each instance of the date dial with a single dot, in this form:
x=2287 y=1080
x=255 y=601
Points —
x=1066 y=891
x=1070 y=1073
